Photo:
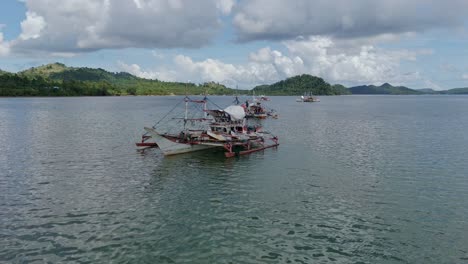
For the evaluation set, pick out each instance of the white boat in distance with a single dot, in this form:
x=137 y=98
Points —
x=308 y=98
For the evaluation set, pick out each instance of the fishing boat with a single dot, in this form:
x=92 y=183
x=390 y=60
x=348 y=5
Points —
x=225 y=129
x=308 y=98
x=255 y=109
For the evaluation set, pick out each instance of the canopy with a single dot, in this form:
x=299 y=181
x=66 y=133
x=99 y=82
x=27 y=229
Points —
x=236 y=112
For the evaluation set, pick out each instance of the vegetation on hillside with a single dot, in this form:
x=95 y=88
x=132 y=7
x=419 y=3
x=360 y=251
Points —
x=58 y=80
x=455 y=91
x=298 y=85
x=383 y=89
x=401 y=90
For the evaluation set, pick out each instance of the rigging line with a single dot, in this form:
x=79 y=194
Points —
x=154 y=126
x=214 y=104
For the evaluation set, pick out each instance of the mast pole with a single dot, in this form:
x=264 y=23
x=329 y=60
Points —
x=204 y=104
x=186 y=106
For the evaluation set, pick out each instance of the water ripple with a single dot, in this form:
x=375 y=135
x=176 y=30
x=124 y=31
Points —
x=355 y=180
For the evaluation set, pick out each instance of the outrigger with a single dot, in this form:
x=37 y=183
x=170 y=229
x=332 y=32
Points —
x=144 y=143
x=226 y=129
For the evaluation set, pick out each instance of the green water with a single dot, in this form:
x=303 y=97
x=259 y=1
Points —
x=356 y=179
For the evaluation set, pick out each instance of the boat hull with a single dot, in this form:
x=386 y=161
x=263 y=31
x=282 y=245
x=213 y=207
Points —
x=171 y=147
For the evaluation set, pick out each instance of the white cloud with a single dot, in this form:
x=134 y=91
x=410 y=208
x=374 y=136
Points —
x=31 y=27
x=432 y=85
x=138 y=4
x=63 y=54
x=4 y=46
x=367 y=64
x=465 y=76
x=88 y=25
x=225 y=5
x=158 y=55
x=317 y=56
x=135 y=69
x=281 y=19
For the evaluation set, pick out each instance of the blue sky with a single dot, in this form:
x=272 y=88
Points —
x=417 y=43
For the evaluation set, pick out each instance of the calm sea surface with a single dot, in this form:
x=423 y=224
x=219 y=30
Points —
x=356 y=179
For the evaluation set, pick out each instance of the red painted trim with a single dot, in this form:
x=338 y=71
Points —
x=146 y=144
x=245 y=152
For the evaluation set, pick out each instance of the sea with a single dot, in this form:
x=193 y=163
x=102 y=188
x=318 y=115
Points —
x=355 y=179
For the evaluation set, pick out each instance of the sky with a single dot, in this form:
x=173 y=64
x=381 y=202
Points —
x=244 y=43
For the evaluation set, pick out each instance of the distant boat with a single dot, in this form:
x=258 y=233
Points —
x=255 y=109
x=308 y=98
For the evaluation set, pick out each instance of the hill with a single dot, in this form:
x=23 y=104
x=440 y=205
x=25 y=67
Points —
x=300 y=84
x=59 y=80
x=44 y=71
x=451 y=91
x=427 y=91
x=385 y=88
x=58 y=71
x=456 y=91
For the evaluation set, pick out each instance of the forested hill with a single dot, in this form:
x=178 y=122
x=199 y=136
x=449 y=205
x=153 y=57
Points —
x=59 y=80
x=455 y=91
x=60 y=72
x=383 y=89
x=298 y=85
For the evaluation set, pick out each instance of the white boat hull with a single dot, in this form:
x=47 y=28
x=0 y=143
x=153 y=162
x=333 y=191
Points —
x=169 y=147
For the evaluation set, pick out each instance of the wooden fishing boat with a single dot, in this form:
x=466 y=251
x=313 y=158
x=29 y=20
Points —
x=224 y=129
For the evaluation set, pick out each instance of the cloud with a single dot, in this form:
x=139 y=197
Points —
x=282 y=20
x=252 y=73
x=319 y=56
x=88 y=25
x=31 y=27
x=465 y=76
x=225 y=5
x=365 y=64
x=448 y=67
x=135 y=69
x=157 y=54
x=432 y=85
x=4 y=46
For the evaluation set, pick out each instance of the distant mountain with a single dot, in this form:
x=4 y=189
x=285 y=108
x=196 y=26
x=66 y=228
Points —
x=456 y=91
x=385 y=88
x=427 y=91
x=451 y=91
x=300 y=84
x=57 y=79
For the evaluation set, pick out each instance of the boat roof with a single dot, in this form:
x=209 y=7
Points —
x=230 y=113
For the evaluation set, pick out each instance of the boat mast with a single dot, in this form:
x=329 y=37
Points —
x=236 y=100
x=205 y=99
x=186 y=106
